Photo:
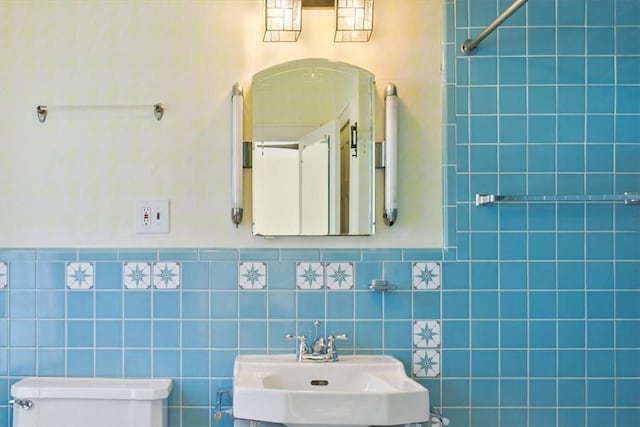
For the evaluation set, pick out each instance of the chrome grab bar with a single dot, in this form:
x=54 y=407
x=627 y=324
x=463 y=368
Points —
x=469 y=46
x=627 y=198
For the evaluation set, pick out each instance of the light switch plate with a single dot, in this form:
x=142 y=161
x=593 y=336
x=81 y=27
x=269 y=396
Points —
x=152 y=216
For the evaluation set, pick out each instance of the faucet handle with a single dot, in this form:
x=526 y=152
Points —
x=302 y=348
x=331 y=346
x=339 y=337
x=302 y=338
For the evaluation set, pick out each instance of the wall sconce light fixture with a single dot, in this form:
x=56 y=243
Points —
x=390 y=213
x=237 y=101
x=282 y=20
x=354 y=20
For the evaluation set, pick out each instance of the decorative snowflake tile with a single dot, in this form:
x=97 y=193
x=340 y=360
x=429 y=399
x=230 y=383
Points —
x=252 y=275
x=166 y=275
x=339 y=275
x=136 y=275
x=426 y=363
x=309 y=275
x=80 y=275
x=426 y=334
x=4 y=275
x=426 y=275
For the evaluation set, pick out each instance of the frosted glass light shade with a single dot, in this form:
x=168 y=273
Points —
x=237 y=103
x=390 y=213
x=354 y=20
x=282 y=20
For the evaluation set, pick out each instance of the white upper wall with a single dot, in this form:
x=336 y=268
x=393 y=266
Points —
x=74 y=180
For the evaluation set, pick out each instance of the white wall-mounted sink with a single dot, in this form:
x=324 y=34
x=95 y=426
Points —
x=356 y=391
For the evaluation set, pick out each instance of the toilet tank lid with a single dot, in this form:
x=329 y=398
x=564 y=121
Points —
x=92 y=388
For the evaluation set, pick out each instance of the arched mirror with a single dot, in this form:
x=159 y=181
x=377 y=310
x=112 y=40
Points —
x=313 y=149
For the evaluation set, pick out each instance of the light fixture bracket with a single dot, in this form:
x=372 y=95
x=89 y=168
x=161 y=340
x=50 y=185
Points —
x=317 y=3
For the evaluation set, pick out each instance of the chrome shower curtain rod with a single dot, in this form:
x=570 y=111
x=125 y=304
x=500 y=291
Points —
x=469 y=46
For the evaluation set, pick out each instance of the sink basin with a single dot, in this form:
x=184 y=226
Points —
x=356 y=391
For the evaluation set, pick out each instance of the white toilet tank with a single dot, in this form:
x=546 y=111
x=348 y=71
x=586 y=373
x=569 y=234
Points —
x=90 y=402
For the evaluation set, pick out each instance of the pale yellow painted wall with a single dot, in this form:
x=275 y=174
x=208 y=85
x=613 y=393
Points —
x=74 y=180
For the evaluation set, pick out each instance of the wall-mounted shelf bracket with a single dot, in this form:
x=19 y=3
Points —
x=381 y=285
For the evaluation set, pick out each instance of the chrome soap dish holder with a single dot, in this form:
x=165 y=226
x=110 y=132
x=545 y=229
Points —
x=379 y=285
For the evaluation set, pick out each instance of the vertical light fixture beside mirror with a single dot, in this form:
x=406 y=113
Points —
x=282 y=20
x=237 y=104
x=390 y=213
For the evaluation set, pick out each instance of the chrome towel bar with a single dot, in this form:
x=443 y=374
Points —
x=627 y=198
x=42 y=111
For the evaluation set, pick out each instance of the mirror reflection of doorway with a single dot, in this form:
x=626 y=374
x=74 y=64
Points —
x=305 y=101
x=345 y=173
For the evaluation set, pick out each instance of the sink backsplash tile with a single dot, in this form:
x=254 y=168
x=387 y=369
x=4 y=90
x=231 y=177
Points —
x=187 y=313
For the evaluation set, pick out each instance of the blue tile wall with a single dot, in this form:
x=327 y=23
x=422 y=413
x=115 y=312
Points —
x=566 y=120
x=186 y=314
x=538 y=305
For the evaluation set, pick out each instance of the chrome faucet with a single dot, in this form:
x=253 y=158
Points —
x=321 y=350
